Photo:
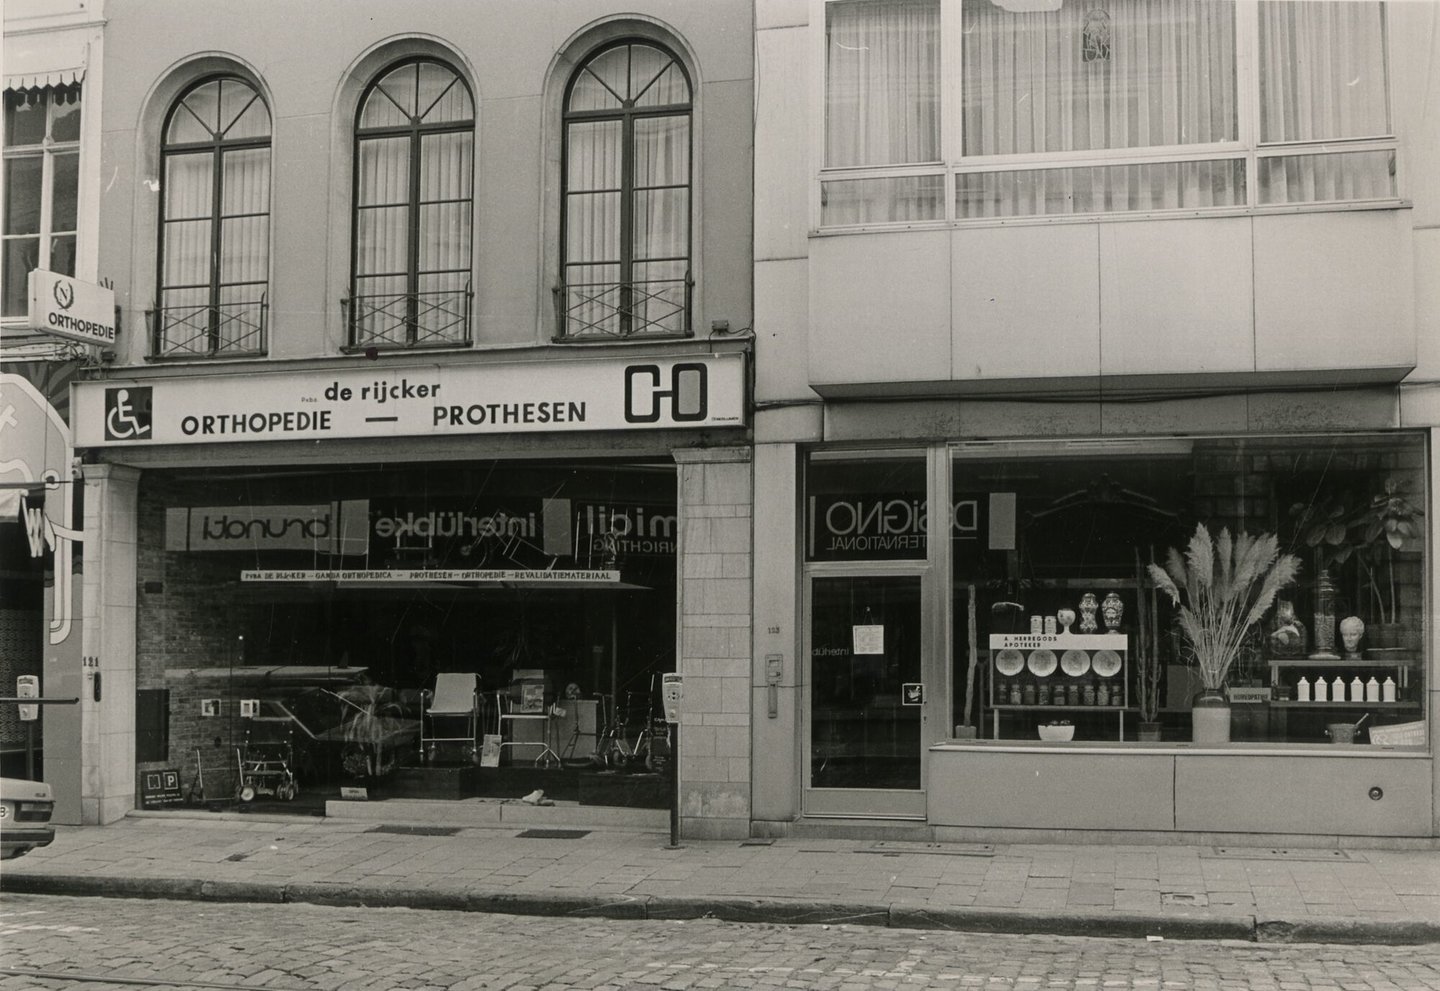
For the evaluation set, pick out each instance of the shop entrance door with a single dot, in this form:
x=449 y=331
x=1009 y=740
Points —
x=877 y=695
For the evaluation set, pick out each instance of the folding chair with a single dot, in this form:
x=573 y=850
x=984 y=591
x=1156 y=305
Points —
x=456 y=700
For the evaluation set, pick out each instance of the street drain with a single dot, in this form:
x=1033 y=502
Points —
x=416 y=830
x=757 y=841
x=1276 y=853
x=553 y=834
x=895 y=849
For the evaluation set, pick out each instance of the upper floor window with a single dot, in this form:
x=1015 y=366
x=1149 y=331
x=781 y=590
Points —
x=1100 y=106
x=214 y=223
x=625 y=240
x=42 y=187
x=414 y=174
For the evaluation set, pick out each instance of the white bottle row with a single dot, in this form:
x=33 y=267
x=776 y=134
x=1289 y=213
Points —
x=1336 y=690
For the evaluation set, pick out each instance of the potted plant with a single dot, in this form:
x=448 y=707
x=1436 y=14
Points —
x=1372 y=531
x=1221 y=587
x=1148 y=667
x=372 y=720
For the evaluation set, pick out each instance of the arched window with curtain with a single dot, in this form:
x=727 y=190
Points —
x=214 y=258
x=625 y=239
x=411 y=243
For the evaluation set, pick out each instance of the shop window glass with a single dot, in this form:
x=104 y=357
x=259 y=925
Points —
x=1065 y=535
x=865 y=508
x=214 y=223
x=42 y=188
x=325 y=603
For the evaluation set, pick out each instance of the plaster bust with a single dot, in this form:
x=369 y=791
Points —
x=1352 y=628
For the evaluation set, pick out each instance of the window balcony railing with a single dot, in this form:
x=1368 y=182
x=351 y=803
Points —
x=439 y=318
x=611 y=311
x=227 y=330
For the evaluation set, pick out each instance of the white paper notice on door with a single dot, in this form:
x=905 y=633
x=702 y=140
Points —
x=868 y=639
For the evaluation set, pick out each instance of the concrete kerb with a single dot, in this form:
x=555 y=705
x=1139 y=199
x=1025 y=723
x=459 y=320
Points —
x=735 y=909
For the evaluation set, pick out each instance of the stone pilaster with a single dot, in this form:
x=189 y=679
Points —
x=714 y=632
x=107 y=747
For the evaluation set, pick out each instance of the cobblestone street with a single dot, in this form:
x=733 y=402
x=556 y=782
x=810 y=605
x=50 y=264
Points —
x=60 y=942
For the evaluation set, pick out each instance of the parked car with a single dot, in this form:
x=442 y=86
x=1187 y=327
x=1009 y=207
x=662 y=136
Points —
x=25 y=810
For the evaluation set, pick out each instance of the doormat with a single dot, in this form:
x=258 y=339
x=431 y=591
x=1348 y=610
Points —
x=892 y=848
x=1277 y=853
x=552 y=834
x=416 y=830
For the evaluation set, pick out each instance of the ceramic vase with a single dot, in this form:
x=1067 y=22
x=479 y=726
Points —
x=1112 y=611
x=1089 y=605
x=1210 y=718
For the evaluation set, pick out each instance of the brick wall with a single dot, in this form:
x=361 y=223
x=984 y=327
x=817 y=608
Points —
x=715 y=636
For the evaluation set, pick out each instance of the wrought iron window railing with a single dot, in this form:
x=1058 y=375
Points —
x=623 y=310
x=224 y=330
x=438 y=318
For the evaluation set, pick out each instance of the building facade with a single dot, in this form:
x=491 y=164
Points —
x=435 y=373
x=54 y=60
x=1042 y=287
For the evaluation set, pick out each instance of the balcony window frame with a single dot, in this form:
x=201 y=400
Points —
x=626 y=284
x=1248 y=147
x=217 y=147
x=415 y=131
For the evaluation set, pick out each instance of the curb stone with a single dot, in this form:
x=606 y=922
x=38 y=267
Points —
x=738 y=909
x=1115 y=925
x=771 y=910
x=1356 y=931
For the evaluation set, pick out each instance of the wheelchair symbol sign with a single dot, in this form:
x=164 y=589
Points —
x=128 y=413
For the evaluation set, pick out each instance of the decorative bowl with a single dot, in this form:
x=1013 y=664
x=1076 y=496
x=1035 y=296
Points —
x=1056 y=732
x=1043 y=662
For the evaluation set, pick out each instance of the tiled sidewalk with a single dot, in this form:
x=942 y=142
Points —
x=1349 y=895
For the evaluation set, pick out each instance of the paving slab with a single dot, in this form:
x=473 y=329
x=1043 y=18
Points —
x=619 y=871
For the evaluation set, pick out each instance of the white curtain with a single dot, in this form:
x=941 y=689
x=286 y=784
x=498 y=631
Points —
x=1168 y=79
x=882 y=83
x=592 y=226
x=1322 y=77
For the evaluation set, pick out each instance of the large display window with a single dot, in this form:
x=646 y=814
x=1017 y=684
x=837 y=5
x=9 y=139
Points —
x=313 y=630
x=1060 y=633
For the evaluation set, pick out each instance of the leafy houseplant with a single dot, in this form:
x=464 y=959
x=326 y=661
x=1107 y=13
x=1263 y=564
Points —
x=1371 y=531
x=1221 y=587
x=371 y=719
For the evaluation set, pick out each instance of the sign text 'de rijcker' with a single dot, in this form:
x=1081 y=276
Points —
x=415 y=401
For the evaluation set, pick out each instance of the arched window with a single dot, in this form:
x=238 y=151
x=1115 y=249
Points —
x=414 y=168
x=625 y=240
x=214 y=223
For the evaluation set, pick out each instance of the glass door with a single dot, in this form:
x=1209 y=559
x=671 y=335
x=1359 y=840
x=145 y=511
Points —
x=877 y=671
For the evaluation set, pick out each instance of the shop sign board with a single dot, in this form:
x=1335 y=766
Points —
x=881 y=526
x=66 y=307
x=405 y=575
x=161 y=788
x=503 y=397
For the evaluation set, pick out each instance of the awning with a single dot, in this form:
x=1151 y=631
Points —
x=35 y=59
x=39 y=80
